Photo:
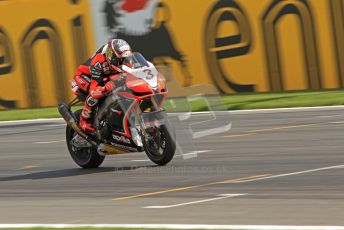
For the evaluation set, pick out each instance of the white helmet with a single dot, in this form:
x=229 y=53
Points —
x=117 y=51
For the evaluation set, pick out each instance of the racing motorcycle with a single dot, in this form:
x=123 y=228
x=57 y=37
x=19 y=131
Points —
x=128 y=119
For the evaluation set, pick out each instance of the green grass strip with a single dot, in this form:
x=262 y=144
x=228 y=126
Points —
x=90 y=228
x=225 y=102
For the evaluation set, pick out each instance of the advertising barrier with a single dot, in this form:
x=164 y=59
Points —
x=239 y=46
x=41 y=44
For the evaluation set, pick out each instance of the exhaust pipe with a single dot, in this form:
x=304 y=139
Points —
x=68 y=116
x=102 y=149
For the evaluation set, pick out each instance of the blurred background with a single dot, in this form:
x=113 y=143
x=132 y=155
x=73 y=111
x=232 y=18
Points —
x=239 y=46
x=275 y=167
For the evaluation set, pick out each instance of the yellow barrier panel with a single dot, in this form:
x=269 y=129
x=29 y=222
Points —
x=41 y=43
x=260 y=46
x=237 y=45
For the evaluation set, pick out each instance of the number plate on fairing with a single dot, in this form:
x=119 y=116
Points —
x=148 y=74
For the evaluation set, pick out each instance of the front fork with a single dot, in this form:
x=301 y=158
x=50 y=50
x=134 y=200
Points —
x=138 y=117
x=138 y=114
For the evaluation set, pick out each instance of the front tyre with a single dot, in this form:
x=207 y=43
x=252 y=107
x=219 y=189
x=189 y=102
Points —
x=161 y=145
x=84 y=157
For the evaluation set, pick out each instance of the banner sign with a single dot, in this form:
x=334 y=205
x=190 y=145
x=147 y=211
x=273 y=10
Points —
x=239 y=46
x=41 y=44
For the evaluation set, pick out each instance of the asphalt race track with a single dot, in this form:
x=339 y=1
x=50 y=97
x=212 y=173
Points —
x=271 y=168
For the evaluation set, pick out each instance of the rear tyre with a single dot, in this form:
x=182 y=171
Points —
x=84 y=157
x=162 y=146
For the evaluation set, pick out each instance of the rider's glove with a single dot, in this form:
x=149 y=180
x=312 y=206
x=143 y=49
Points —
x=97 y=92
x=109 y=86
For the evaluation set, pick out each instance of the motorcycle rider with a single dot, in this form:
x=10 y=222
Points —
x=81 y=80
x=104 y=63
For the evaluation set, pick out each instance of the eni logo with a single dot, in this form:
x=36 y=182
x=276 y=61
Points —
x=218 y=49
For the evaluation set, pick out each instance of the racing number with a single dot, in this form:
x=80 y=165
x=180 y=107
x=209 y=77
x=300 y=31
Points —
x=148 y=73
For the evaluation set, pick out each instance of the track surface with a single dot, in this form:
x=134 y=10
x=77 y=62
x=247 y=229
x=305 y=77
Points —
x=264 y=157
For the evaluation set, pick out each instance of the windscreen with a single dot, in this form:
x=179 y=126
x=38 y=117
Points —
x=136 y=61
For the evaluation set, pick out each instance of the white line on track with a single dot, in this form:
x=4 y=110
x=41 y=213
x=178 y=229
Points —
x=194 y=153
x=297 y=109
x=55 y=125
x=337 y=122
x=220 y=197
x=185 y=155
x=284 y=175
x=140 y=160
x=330 y=116
x=174 y=226
x=276 y=110
x=32 y=121
x=252 y=111
x=48 y=142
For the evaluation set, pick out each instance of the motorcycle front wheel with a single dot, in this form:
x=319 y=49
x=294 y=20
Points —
x=161 y=146
x=84 y=157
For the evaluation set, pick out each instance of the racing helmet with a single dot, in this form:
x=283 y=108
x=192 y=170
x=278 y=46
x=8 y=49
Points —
x=117 y=51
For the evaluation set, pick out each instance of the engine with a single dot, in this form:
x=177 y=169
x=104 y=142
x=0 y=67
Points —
x=112 y=121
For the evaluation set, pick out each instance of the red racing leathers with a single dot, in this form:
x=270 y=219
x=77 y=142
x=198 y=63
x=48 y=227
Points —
x=100 y=71
x=81 y=81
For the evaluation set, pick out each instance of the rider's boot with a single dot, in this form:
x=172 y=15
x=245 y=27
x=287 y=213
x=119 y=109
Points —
x=85 y=119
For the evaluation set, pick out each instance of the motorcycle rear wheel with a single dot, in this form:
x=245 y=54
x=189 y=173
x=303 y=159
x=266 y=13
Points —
x=84 y=157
